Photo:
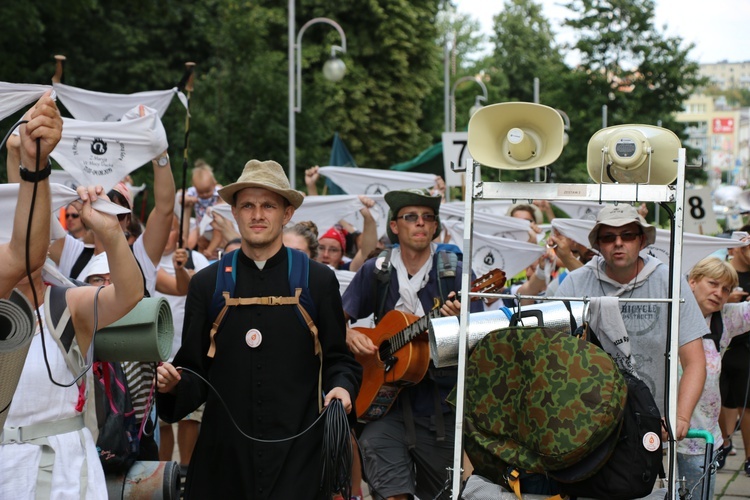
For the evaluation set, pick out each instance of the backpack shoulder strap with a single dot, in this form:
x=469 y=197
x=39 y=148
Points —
x=224 y=289
x=299 y=277
x=60 y=325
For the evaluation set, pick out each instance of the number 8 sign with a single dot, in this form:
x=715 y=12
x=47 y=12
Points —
x=699 y=212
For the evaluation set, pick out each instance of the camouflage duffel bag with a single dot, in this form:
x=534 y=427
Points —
x=540 y=401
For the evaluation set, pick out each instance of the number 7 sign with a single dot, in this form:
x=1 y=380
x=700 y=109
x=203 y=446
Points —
x=456 y=150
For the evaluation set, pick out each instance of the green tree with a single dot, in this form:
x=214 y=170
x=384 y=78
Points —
x=637 y=71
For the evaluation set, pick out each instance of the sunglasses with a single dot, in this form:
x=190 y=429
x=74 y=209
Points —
x=72 y=216
x=412 y=218
x=611 y=238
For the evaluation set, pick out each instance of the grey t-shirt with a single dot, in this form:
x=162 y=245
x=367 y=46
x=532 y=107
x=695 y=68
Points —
x=645 y=322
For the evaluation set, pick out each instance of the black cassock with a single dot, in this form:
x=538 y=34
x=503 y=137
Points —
x=271 y=390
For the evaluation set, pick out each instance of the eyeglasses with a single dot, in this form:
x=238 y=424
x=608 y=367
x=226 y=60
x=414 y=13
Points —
x=72 y=216
x=611 y=238
x=412 y=218
x=329 y=249
x=99 y=281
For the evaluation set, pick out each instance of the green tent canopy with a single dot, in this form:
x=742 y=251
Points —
x=429 y=161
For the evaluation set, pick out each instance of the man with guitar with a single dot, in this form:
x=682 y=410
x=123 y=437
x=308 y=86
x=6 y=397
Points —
x=408 y=436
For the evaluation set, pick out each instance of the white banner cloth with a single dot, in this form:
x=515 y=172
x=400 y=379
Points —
x=103 y=152
x=325 y=211
x=372 y=181
x=16 y=96
x=61 y=196
x=93 y=106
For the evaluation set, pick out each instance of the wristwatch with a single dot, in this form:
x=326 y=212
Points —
x=163 y=160
x=36 y=176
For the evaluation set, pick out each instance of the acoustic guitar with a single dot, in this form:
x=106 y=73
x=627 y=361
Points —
x=403 y=354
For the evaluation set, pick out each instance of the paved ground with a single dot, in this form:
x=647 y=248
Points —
x=731 y=481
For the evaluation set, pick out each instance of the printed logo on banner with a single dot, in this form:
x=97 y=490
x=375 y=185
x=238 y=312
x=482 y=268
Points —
x=376 y=188
x=657 y=253
x=97 y=162
x=486 y=258
x=99 y=147
x=589 y=214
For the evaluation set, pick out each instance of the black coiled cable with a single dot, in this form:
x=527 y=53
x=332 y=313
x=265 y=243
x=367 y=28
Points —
x=337 y=452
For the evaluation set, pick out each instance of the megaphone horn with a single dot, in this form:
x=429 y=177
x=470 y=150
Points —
x=144 y=334
x=516 y=135
x=634 y=154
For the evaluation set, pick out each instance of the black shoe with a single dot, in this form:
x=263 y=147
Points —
x=747 y=466
x=721 y=455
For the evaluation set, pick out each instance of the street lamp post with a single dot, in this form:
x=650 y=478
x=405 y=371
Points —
x=477 y=103
x=334 y=70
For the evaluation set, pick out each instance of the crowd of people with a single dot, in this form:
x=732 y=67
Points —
x=265 y=340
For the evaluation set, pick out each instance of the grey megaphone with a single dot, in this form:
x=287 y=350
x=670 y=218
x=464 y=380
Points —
x=516 y=135
x=633 y=154
x=144 y=334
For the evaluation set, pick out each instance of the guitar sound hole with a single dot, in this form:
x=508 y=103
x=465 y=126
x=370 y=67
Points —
x=385 y=350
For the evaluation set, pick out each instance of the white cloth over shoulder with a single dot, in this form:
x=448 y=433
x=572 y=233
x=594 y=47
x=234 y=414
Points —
x=375 y=181
x=16 y=96
x=103 y=153
x=408 y=287
x=606 y=321
x=104 y=107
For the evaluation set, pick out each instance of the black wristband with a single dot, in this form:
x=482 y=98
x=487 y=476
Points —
x=37 y=176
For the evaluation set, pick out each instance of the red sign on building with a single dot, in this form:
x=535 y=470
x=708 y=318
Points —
x=723 y=125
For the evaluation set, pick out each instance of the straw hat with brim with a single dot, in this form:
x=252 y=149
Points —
x=411 y=198
x=263 y=174
x=618 y=216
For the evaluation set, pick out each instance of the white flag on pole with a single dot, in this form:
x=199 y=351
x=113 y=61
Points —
x=16 y=96
x=93 y=106
x=103 y=152
x=372 y=181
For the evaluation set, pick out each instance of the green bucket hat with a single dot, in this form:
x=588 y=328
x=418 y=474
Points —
x=411 y=197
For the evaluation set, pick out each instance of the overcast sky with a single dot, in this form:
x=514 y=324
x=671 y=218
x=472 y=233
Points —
x=718 y=28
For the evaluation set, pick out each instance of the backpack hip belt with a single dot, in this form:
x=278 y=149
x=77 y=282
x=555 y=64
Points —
x=37 y=434
x=27 y=433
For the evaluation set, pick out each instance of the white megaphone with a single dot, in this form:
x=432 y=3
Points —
x=516 y=135
x=633 y=154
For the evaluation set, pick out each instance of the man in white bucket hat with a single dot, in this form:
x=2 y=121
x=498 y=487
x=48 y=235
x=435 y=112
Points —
x=620 y=270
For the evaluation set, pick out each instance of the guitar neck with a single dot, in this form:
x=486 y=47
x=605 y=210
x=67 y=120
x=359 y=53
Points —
x=409 y=333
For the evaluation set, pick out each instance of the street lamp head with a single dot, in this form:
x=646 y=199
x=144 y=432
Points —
x=334 y=69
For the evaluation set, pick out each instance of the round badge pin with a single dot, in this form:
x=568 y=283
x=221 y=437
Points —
x=651 y=441
x=253 y=338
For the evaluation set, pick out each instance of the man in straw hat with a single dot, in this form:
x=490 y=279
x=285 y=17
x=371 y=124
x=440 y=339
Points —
x=620 y=270
x=262 y=359
x=418 y=431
